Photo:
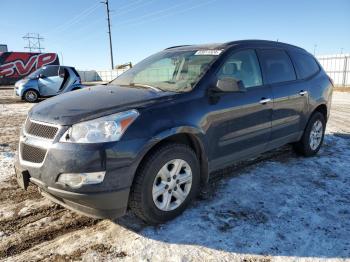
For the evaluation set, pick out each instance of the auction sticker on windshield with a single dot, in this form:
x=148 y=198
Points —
x=209 y=52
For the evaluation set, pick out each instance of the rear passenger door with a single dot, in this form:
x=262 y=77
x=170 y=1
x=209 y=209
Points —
x=290 y=98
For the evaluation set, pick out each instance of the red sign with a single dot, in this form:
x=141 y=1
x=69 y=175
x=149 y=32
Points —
x=16 y=65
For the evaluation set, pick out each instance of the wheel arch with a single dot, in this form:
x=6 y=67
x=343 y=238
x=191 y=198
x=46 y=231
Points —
x=183 y=135
x=321 y=108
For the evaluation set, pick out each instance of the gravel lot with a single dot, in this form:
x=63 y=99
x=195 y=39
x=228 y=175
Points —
x=278 y=207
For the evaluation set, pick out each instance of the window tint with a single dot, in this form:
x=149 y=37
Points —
x=50 y=71
x=305 y=64
x=277 y=66
x=244 y=66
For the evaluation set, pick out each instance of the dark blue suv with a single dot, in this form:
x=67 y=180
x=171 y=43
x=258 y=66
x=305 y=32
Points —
x=150 y=139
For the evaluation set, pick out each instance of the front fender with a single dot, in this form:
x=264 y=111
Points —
x=197 y=136
x=29 y=85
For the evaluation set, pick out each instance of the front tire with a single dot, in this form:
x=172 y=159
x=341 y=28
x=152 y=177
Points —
x=312 y=139
x=31 y=96
x=165 y=184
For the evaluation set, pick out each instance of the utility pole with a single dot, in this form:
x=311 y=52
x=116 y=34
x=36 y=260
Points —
x=109 y=31
x=33 y=42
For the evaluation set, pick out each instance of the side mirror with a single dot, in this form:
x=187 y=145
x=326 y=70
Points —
x=229 y=84
x=42 y=76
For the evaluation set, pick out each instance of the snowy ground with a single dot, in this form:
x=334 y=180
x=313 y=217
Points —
x=279 y=207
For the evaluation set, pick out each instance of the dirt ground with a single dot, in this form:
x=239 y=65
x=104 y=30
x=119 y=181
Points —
x=276 y=207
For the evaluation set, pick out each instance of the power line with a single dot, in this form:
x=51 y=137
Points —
x=155 y=16
x=109 y=32
x=81 y=15
x=162 y=14
x=33 y=42
x=121 y=11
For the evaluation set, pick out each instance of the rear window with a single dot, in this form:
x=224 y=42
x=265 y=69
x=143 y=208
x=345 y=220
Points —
x=305 y=64
x=277 y=66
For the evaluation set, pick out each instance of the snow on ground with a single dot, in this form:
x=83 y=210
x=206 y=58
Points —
x=284 y=208
x=6 y=163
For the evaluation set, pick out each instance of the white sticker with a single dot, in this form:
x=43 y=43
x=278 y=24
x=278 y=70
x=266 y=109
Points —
x=208 y=52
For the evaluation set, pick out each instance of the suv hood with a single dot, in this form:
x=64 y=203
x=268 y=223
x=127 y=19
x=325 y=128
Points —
x=93 y=102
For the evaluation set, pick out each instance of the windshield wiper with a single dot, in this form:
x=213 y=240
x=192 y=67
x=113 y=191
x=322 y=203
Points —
x=147 y=86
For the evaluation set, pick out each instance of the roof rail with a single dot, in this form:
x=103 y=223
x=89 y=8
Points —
x=175 y=46
x=256 y=41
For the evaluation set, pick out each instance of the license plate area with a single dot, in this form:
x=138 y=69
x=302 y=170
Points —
x=22 y=177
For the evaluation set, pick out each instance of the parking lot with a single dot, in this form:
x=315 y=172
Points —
x=279 y=206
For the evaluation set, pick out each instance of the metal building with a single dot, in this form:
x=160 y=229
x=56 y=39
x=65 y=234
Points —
x=3 y=48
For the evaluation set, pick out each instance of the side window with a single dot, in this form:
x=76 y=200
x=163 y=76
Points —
x=244 y=66
x=277 y=66
x=305 y=64
x=50 y=71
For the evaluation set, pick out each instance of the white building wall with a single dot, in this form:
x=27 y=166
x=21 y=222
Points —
x=337 y=67
x=99 y=75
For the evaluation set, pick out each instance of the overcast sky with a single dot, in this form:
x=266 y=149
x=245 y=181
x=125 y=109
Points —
x=77 y=29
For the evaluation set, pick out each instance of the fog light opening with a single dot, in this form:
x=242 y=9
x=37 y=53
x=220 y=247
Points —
x=77 y=180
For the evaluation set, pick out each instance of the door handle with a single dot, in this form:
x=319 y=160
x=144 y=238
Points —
x=302 y=92
x=264 y=101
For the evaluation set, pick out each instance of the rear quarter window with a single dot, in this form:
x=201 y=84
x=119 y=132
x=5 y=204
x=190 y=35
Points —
x=277 y=66
x=305 y=64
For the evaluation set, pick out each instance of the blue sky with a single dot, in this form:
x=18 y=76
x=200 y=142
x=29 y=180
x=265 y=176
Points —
x=77 y=29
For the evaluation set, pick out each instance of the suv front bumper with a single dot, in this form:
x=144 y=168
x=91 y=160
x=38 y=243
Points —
x=108 y=199
x=97 y=204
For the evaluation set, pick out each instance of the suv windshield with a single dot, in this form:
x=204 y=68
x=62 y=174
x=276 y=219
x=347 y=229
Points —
x=176 y=71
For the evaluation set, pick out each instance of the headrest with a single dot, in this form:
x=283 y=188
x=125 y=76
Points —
x=229 y=69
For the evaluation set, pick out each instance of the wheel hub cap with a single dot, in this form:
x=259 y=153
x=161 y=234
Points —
x=31 y=95
x=172 y=185
x=316 y=135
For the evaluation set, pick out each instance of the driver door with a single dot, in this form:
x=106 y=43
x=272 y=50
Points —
x=240 y=122
x=50 y=81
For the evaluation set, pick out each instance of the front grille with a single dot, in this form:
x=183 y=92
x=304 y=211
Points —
x=32 y=154
x=40 y=130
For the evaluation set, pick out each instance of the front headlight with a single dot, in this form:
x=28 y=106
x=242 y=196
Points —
x=104 y=129
x=22 y=82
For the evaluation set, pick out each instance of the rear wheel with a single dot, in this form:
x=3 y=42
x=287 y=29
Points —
x=312 y=139
x=165 y=184
x=31 y=96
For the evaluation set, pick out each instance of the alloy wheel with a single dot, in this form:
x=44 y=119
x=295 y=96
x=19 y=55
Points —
x=316 y=134
x=31 y=96
x=172 y=185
